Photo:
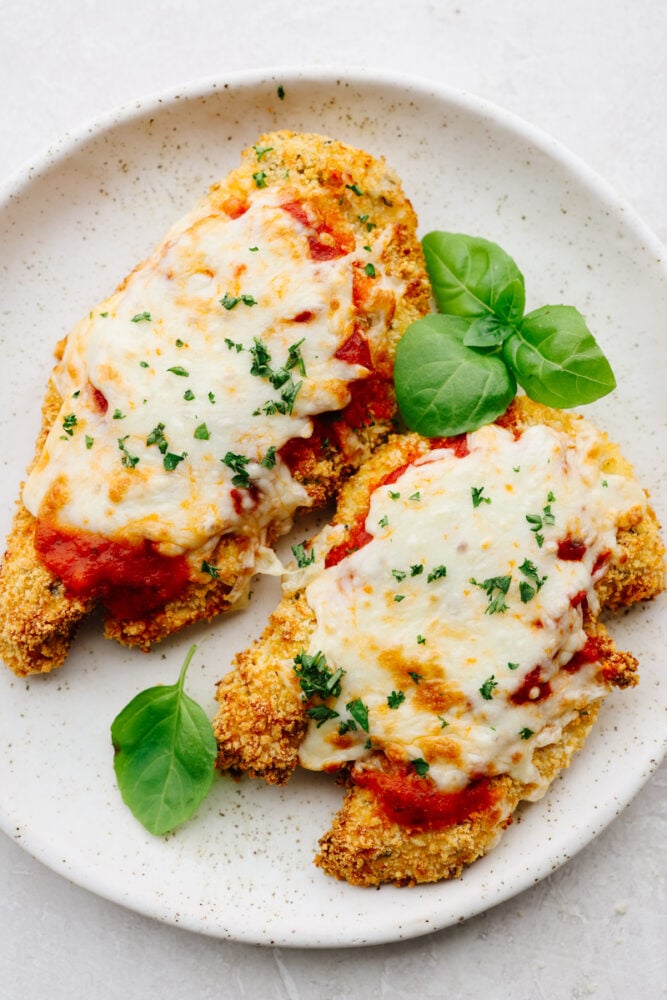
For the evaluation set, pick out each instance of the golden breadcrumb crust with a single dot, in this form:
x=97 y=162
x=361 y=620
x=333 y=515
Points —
x=261 y=692
x=37 y=618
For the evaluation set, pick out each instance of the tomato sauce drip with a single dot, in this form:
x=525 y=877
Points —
x=372 y=399
x=571 y=549
x=590 y=652
x=129 y=579
x=336 y=245
x=415 y=801
x=100 y=401
x=356 y=539
x=458 y=444
x=532 y=682
x=355 y=351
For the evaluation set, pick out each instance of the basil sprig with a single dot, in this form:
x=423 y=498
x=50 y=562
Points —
x=458 y=369
x=165 y=753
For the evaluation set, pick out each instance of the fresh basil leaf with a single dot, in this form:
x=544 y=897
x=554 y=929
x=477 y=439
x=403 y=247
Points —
x=556 y=358
x=165 y=754
x=472 y=277
x=444 y=387
x=487 y=331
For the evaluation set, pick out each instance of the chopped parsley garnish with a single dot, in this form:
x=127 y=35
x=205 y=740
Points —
x=170 y=460
x=69 y=423
x=157 y=437
x=303 y=558
x=261 y=357
x=129 y=461
x=443 y=721
x=354 y=188
x=237 y=463
x=141 y=317
x=269 y=459
x=202 y=433
x=399 y=597
x=207 y=567
x=188 y=395
x=369 y=225
x=232 y=345
x=144 y=364
x=399 y=574
x=315 y=677
x=347 y=726
x=178 y=370
x=415 y=496
x=295 y=358
x=417 y=569
x=281 y=92
x=359 y=712
x=179 y=342
x=526 y=733
x=261 y=151
x=421 y=766
x=513 y=666
x=260 y=178
x=477 y=497
x=488 y=687
x=415 y=676
x=369 y=270
x=421 y=640
x=496 y=588
x=89 y=442
x=383 y=522
x=395 y=699
x=528 y=590
x=211 y=397
x=393 y=495
x=321 y=713
x=118 y=415
x=437 y=574
x=230 y=301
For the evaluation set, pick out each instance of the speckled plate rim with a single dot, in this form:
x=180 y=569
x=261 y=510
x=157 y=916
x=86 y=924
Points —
x=432 y=910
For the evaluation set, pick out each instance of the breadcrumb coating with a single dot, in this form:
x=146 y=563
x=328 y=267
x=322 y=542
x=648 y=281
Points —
x=38 y=619
x=364 y=846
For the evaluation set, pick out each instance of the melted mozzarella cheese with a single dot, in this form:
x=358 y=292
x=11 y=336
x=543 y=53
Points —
x=459 y=595
x=172 y=353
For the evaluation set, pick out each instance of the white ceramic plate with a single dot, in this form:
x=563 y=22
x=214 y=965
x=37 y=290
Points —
x=72 y=225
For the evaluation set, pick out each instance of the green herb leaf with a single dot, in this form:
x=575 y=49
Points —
x=443 y=387
x=170 y=460
x=321 y=714
x=473 y=277
x=213 y=571
x=202 y=433
x=395 y=699
x=69 y=423
x=421 y=766
x=488 y=687
x=556 y=359
x=359 y=712
x=143 y=317
x=165 y=754
x=496 y=588
x=127 y=460
x=237 y=463
x=477 y=497
x=178 y=370
x=315 y=677
x=487 y=332
x=303 y=558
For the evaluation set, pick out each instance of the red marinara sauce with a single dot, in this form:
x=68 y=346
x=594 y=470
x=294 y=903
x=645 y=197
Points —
x=412 y=800
x=129 y=579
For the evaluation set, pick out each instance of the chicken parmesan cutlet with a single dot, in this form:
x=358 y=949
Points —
x=234 y=378
x=439 y=647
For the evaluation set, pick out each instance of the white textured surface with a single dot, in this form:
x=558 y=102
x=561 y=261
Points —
x=594 y=74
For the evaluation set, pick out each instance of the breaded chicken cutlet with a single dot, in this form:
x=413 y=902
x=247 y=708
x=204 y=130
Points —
x=234 y=378
x=439 y=647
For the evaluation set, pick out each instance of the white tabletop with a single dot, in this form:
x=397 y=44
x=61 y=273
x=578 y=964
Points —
x=593 y=73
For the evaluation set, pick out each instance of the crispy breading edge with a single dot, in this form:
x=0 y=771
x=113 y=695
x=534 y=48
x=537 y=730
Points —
x=363 y=846
x=38 y=619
